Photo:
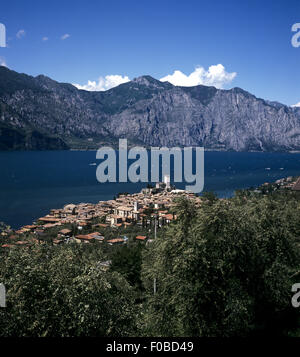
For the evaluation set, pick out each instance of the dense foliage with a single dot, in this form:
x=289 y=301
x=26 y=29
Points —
x=224 y=269
x=63 y=291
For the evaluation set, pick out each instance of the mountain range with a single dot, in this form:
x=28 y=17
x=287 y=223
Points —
x=38 y=113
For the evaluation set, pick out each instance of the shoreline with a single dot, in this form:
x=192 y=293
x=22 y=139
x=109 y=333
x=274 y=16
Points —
x=29 y=189
x=125 y=210
x=137 y=209
x=287 y=182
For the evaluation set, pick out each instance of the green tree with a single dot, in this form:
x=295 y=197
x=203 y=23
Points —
x=62 y=291
x=127 y=261
x=224 y=270
x=209 y=197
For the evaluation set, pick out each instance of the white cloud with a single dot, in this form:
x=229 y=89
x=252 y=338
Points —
x=20 y=34
x=104 y=83
x=3 y=62
x=296 y=105
x=45 y=38
x=214 y=76
x=65 y=36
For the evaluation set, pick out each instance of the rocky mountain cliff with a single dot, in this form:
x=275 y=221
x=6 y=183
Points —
x=38 y=113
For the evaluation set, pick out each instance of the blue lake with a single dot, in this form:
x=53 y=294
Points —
x=32 y=183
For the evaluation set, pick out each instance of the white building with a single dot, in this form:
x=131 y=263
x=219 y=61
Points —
x=167 y=181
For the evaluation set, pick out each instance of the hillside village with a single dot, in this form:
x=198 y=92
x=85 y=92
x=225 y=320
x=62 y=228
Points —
x=107 y=221
x=286 y=183
x=136 y=216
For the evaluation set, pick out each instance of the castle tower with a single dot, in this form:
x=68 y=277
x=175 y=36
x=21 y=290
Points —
x=135 y=206
x=167 y=181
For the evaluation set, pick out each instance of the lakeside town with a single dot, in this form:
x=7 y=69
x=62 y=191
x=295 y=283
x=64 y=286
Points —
x=139 y=214
x=146 y=211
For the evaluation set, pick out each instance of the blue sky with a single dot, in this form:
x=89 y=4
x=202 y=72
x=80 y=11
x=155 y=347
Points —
x=132 y=38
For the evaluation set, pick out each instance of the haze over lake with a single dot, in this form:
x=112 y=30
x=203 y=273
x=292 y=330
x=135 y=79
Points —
x=33 y=182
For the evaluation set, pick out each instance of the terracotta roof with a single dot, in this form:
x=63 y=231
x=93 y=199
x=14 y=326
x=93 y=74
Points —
x=49 y=225
x=21 y=242
x=116 y=240
x=20 y=231
x=7 y=246
x=84 y=237
x=49 y=219
x=94 y=234
x=30 y=226
x=83 y=224
x=141 y=237
x=65 y=231
x=168 y=216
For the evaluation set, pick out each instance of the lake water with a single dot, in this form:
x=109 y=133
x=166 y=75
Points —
x=32 y=183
